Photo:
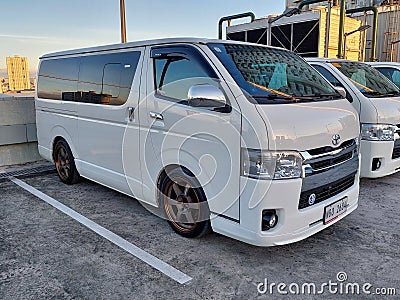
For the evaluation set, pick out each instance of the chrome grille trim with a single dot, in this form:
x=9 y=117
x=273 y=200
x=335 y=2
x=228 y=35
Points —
x=328 y=160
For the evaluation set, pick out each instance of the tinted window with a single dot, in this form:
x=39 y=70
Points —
x=270 y=75
x=58 y=79
x=101 y=79
x=391 y=73
x=328 y=75
x=368 y=80
x=176 y=73
x=107 y=79
x=332 y=79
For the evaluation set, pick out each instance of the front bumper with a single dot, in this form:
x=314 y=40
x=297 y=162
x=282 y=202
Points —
x=382 y=151
x=294 y=224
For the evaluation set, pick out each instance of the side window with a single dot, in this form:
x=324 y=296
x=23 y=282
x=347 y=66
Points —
x=175 y=73
x=101 y=79
x=107 y=79
x=391 y=73
x=328 y=75
x=111 y=80
x=332 y=79
x=58 y=79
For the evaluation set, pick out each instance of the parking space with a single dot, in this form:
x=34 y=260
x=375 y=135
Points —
x=45 y=253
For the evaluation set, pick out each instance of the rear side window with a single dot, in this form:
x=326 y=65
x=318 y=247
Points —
x=98 y=79
x=58 y=79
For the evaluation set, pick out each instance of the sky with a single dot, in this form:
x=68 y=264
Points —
x=32 y=28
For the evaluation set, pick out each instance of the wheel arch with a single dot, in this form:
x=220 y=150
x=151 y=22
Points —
x=59 y=133
x=164 y=173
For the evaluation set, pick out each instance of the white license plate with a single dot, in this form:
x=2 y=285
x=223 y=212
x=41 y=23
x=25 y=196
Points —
x=334 y=210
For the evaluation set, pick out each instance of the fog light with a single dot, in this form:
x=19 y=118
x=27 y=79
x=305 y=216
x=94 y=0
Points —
x=269 y=219
x=376 y=164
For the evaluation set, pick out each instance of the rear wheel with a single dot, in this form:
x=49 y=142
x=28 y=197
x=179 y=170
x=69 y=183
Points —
x=65 y=164
x=185 y=204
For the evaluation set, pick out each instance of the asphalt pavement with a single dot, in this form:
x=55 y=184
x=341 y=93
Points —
x=46 y=253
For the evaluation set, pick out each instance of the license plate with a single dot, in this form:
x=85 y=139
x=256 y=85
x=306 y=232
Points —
x=334 y=210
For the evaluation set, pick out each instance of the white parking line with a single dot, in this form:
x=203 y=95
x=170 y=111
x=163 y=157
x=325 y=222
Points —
x=112 y=237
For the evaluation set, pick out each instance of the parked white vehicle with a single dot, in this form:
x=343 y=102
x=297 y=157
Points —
x=244 y=139
x=390 y=69
x=377 y=100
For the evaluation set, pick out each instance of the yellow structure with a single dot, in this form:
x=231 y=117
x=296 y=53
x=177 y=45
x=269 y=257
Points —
x=354 y=46
x=18 y=73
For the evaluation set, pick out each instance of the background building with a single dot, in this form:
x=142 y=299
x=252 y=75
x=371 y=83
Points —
x=388 y=36
x=303 y=33
x=18 y=73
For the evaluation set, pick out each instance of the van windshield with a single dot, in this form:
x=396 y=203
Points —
x=270 y=75
x=369 y=81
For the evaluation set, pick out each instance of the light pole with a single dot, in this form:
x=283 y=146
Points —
x=392 y=49
x=123 y=22
x=328 y=28
x=360 y=29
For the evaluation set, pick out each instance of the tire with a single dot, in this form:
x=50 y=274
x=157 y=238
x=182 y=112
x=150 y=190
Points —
x=65 y=163
x=184 y=204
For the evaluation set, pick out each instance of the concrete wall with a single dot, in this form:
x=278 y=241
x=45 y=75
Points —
x=18 y=141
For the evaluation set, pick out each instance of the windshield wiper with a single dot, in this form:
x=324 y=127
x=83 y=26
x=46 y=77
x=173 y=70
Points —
x=392 y=93
x=286 y=98
x=274 y=96
x=374 y=93
x=315 y=96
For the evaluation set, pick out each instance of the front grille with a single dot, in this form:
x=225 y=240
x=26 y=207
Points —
x=316 y=161
x=323 y=150
x=326 y=191
x=331 y=162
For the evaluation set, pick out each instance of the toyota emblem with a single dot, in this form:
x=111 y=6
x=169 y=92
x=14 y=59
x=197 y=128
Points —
x=311 y=199
x=336 y=140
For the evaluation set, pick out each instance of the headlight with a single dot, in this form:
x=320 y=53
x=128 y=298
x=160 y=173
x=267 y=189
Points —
x=378 y=132
x=271 y=164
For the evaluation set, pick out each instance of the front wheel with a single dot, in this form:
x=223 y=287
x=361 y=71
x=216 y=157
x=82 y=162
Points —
x=185 y=204
x=65 y=164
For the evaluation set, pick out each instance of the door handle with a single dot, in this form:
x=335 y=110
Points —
x=157 y=116
x=131 y=113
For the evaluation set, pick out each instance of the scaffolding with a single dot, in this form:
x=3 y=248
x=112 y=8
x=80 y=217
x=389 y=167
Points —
x=391 y=33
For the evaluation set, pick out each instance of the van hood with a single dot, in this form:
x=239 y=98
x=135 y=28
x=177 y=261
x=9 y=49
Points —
x=305 y=126
x=388 y=110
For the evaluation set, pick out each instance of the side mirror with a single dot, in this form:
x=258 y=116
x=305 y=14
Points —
x=206 y=95
x=341 y=91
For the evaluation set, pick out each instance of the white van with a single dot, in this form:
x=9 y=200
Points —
x=390 y=69
x=377 y=100
x=247 y=140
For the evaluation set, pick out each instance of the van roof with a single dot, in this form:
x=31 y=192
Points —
x=328 y=60
x=148 y=43
x=384 y=63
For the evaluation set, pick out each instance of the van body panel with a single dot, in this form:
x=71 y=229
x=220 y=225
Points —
x=372 y=110
x=304 y=222
x=388 y=108
x=382 y=151
x=50 y=128
x=129 y=147
x=205 y=142
x=105 y=132
x=316 y=124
